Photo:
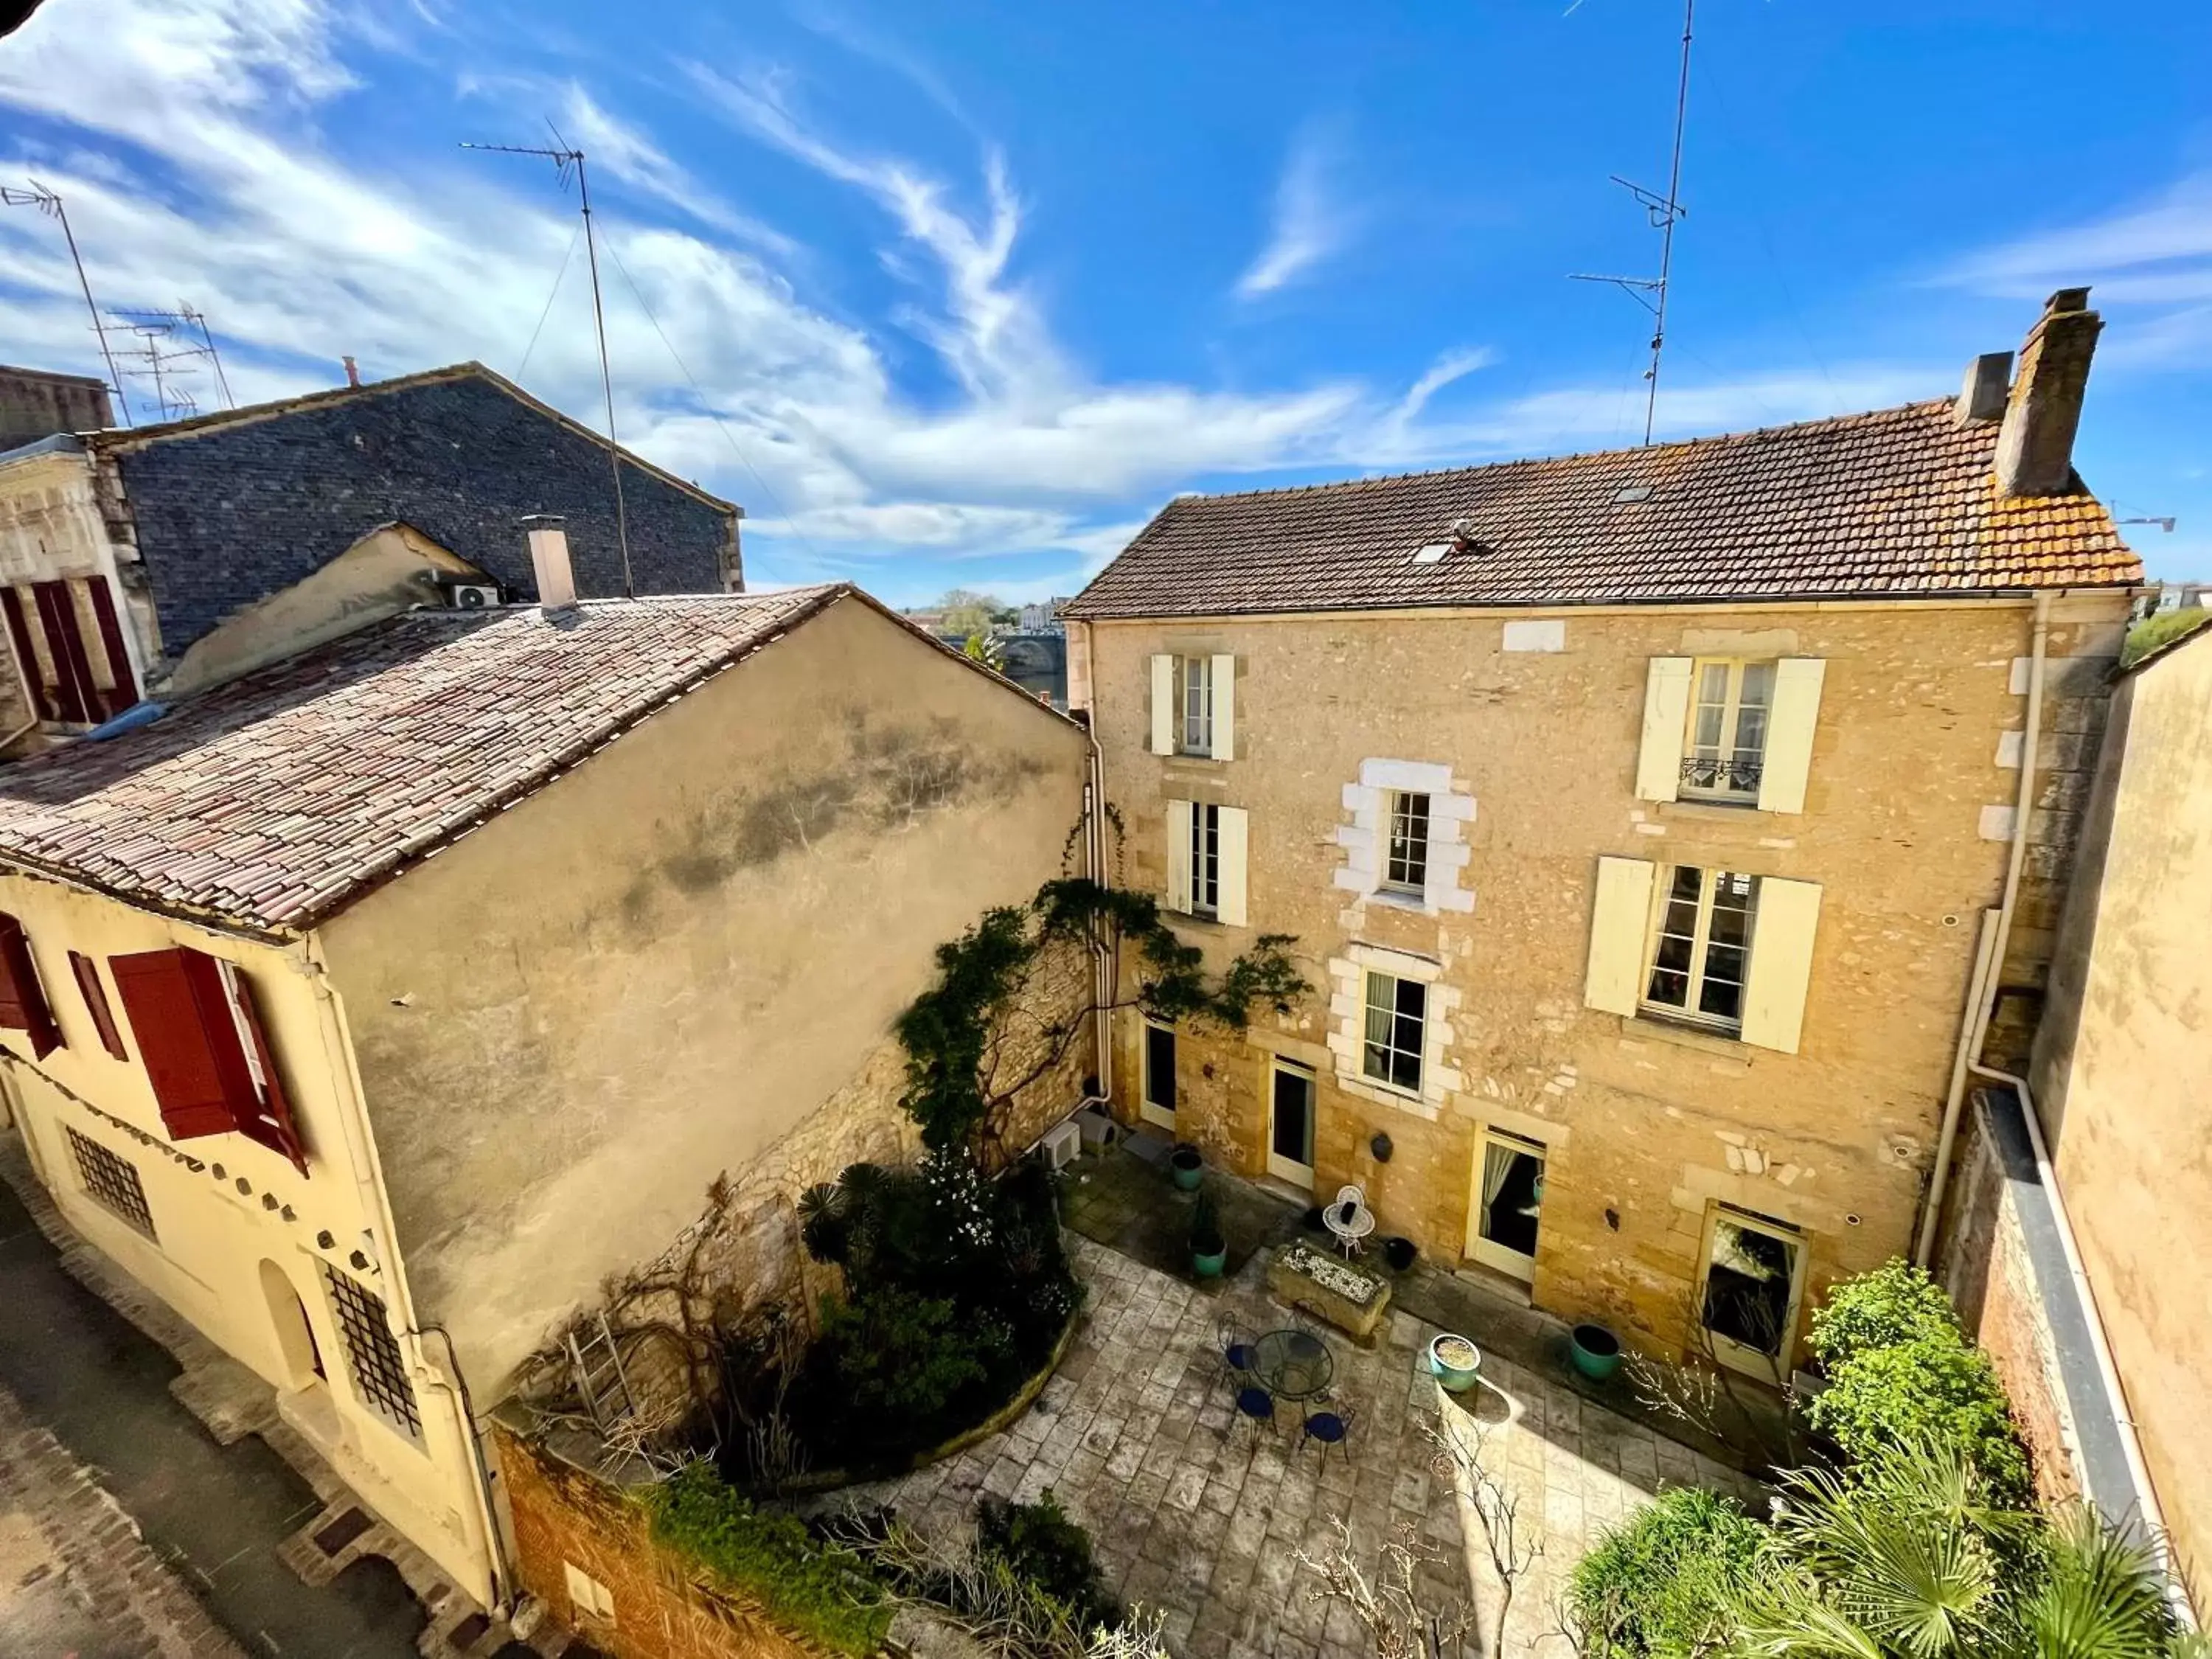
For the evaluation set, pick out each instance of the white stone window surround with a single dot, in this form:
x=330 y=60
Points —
x=1347 y=1028
x=1365 y=839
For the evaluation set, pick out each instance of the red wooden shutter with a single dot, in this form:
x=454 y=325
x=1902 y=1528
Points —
x=268 y=1118
x=23 y=1005
x=77 y=694
x=182 y=1020
x=96 y=1003
x=19 y=629
x=125 y=689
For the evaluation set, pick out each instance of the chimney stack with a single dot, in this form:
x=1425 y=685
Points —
x=1989 y=378
x=353 y=374
x=2035 y=447
x=549 y=559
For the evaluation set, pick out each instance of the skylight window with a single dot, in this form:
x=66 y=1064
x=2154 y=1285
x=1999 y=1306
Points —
x=1432 y=554
x=1633 y=493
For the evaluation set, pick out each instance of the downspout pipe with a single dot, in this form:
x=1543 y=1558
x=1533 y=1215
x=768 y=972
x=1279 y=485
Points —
x=1981 y=1002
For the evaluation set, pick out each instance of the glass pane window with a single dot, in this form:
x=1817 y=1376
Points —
x=1407 y=867
x=1195 y=730
x=1728 y=729
x=1397 y=1011
x=1701 y=945
x=1751 y=1281
x=1205 y=859
x=1512 y=1192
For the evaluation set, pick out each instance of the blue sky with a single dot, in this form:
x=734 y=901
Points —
x=962 y=293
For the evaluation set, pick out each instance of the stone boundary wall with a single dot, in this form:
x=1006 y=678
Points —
x=656 y=1606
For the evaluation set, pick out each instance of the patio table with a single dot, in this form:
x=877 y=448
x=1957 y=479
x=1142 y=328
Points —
x=1293 y=1365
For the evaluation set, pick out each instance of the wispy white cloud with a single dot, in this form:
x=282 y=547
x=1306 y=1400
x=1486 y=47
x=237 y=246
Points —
x=1308 y=226
x=2155 y=256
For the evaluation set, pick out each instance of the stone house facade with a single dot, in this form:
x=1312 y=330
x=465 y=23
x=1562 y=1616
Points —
x=124 y=551
x=1637 y=817
x=375 y=1008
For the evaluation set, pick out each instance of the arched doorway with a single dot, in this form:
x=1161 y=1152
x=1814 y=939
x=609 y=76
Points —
x=296 y=1335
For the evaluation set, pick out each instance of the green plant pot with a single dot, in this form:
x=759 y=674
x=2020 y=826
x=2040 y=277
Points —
x=1209 y=1266
x=1456 y=1378
x=1188 y=1168
x=1597 y=1351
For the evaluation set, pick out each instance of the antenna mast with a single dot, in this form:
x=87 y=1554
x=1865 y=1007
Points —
x=1664 y=211
x=48 y=203
x=563 y=158
x=152 y=328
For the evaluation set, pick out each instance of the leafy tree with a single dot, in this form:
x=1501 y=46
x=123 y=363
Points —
x=966 y=611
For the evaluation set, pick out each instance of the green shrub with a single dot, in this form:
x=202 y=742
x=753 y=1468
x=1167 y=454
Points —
x=1936 y=1389
x=1895 y=1303
x=822 y=1590
x=1659 y=1584
x=2152 y=632
x=1040 y=1544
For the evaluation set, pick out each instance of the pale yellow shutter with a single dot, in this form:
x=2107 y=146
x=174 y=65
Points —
x=1223 y=673
x=1233 y=829
x=1781 y=962
x=1619 y=921
x=1666 y=728
x=1163 y=705
x=1179 y=856
x=1790 y=724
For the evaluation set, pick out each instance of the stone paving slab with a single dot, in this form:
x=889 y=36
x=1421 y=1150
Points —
x=1201 y=1514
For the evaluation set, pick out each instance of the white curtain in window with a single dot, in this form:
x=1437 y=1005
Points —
x=1496 y=1167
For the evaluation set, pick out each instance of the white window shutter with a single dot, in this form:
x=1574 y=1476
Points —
x=1163 y=705
x=1619 y=921
x=1666 y=728
x=1781 y=962
x=1179 y=856
x=1790 y=724
x=1222 y=676
x=1233 y=829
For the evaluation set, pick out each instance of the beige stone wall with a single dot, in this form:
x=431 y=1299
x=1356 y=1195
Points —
x=656 y=969
x=1648 y=1126
x=240 y=1238
x=2123 y=1079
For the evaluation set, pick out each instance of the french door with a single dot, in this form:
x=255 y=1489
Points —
x=1291 y=1126
x=1509 y=1202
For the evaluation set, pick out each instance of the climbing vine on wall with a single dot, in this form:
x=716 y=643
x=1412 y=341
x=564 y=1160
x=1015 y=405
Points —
x=1013 y=993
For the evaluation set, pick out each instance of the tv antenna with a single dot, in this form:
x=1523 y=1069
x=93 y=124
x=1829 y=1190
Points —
x=50 y=204
x=564 y=157
x=1664 y=213
x=156 y=329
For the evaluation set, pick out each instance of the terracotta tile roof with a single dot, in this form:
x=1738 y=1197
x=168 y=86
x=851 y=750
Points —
x=274 y=800
x=1895 y=503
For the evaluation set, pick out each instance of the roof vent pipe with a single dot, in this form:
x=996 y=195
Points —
x=1989 y=378
x=549 y=560
x=352 y=372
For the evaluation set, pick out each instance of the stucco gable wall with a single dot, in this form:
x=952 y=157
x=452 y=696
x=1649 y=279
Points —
x=569 y=1022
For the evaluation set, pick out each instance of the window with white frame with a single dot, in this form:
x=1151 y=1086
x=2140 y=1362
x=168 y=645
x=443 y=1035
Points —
x=1701 y=946
x=1205 y=859
x=1397 y=1018
x=1406 y=861
x=1725 y=756
x=1194 y=705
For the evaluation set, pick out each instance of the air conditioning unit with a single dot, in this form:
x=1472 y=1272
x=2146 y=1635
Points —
x=471 y=596
x=1062 y=1146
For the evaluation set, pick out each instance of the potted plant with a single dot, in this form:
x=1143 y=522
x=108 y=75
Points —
x=1454 y=1361
x=1187 y=1166
x=1209 y=1250
x=1597 y=1351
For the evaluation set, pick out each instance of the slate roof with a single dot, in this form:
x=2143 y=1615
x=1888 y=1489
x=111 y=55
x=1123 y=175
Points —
x=274 y=800
x=1895 y=503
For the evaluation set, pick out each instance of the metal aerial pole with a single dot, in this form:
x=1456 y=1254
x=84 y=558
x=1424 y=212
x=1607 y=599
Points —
x=50 y=204
x=1673 y=212
x=563 y=158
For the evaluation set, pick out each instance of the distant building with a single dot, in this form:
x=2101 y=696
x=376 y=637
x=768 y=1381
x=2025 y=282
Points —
x=1042 y=618
x=146 y=561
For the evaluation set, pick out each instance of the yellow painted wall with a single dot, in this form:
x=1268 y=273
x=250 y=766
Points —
x=221 y=1230
x=2124 y=1075
x=568 y=1023
x=1648 y=1125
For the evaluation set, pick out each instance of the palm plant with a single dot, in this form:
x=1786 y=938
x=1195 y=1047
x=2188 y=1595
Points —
x=1903 y=1558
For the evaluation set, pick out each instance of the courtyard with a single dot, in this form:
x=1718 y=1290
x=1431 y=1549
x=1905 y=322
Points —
x=1203 y=1516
